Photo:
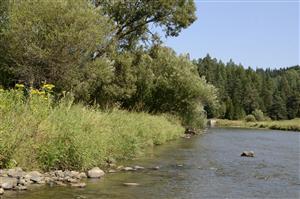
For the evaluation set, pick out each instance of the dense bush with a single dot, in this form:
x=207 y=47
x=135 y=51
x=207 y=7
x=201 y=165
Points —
x=250 y=118
x=258 y=114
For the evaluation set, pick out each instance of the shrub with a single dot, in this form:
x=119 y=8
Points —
x=250 y=118
x=258 y=114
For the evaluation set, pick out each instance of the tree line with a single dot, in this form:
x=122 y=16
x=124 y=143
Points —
x=243 y=91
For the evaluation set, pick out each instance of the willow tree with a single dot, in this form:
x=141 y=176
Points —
x=54 y=40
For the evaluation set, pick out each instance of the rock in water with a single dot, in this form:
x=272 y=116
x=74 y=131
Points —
x=95 y=172
x=137 y=167
x=248 y=154
x=128 y=169
x=131 y=184
x=79 y=185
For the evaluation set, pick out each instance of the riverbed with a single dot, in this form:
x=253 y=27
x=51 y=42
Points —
x=205 y=166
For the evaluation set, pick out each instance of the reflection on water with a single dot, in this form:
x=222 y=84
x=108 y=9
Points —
x=212 y=168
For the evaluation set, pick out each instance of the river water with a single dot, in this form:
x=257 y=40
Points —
x=206 y=166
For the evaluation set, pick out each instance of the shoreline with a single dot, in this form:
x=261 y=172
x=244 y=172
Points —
x=284 y=125
x=14 y=180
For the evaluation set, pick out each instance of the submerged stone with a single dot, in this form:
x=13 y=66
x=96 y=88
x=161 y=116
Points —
x=95 y=172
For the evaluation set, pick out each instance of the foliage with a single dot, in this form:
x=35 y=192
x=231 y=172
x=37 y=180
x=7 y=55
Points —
x=258 y=114
x=241 y=91
x=167 y=83
x=250 y=118
x=35 y=133
x=133 y=18
x=54 y=42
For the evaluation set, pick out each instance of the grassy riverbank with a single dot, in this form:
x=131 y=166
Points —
x=37 y=134
x=288 y=125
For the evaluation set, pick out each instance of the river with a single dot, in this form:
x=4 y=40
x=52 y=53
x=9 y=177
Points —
x=205 y=166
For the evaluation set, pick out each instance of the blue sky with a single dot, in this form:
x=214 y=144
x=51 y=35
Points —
x=251 y=32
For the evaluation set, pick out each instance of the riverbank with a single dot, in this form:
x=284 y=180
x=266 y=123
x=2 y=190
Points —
x=287 y=125
x=38 y=134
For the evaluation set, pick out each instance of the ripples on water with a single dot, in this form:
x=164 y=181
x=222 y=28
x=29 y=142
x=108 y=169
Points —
x=212 y=168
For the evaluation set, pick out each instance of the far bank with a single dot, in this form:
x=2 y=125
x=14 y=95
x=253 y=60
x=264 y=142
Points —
x=287 y=125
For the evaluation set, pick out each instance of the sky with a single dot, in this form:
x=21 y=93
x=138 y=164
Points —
x=256 y=33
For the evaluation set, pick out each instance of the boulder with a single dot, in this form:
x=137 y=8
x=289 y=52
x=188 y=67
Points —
x=16 y=172
x=247 y=154
x=35 y=177
x=1 y=191
x=8 y=183
x=95 y=172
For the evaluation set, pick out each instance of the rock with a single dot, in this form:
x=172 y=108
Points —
x=131 y=184
x=95 y=172
x=23 y=181
x=1 y=191
x=186 y=136
x=20 y=188
x=120 y=167
x=82 y=175
x=112 y=171
x=60 y=183
x=59 y=173
x=138 y=167
x=156 y=168
x=128 y=169
x=8 y=183
x=16 y=172
x=180 y=165
x=72 y=180
x=248 y=154
x=35 y=177
x=190 y=131
x=79 y=185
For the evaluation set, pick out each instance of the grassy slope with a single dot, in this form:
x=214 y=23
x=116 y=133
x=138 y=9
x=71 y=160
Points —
x=36 y=135
x=289 y=125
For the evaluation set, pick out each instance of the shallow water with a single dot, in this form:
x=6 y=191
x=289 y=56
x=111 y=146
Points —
x=212 y=168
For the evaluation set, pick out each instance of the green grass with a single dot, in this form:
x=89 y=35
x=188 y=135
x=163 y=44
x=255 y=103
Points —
x=35 y=134
x=288 y=125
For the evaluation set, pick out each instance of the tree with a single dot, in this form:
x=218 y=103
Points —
x=53 y=40
x=278 y=108
x=133 y=17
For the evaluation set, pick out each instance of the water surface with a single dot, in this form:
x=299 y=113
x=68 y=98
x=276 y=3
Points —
x=211 y=168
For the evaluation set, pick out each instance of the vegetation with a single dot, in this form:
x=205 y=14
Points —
x=246 y=91
x=128 y=90
x=288 y=125
x=36 y=133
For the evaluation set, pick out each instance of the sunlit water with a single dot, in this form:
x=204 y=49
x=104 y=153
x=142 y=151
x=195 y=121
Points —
x=212 y=168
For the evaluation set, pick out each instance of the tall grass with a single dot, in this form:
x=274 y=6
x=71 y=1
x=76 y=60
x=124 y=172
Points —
x=35 y=133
